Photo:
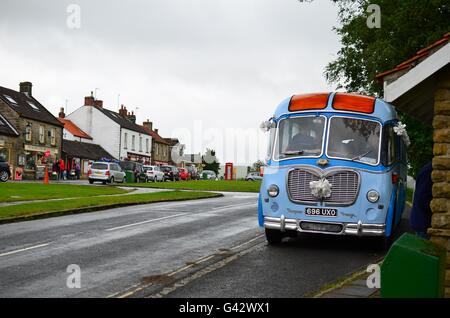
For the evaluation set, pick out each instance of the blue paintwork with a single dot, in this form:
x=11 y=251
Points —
x=377 y=177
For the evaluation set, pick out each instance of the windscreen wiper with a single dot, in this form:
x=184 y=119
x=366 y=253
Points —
x=293 y=152
x=362 y=155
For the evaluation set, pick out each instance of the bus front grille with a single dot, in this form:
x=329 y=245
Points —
x=345 y=186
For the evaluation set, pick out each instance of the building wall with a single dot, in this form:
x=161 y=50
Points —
x=68 y=136
x=18 y=147
x=160 y=152
x=128 y=147
x=103 y=130
x=440 y=204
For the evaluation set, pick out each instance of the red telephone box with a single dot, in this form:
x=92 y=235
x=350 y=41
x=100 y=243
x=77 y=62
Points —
x=229 y=171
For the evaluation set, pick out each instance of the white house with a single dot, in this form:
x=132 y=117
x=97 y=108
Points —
x=117 y=133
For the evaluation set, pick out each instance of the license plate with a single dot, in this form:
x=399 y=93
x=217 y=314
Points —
x=321 y=212
x=98 y=173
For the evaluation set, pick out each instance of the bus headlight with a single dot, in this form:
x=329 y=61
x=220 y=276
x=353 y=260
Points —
x=273 y=190
x=373 y=196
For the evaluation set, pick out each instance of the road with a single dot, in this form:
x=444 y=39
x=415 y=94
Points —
x=203 y=248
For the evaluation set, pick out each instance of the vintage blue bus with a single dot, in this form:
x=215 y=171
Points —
x=336 y=164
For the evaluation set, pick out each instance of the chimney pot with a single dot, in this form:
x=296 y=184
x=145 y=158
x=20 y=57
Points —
x=156 y=130
x=89 y=101
x=26 y=87
x=61 y=113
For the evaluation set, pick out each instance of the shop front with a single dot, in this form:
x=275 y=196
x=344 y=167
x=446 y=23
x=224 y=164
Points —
x=146 y=160
x=34 y=160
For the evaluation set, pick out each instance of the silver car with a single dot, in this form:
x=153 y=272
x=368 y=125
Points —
x=154 y=173
x=106 y=172
x=253 y=176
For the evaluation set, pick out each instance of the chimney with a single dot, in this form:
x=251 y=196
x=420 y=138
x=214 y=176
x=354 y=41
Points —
x=25 y=87
x=98 y=103
x=132 y=117
x=156 y=131
x=148 y=124
x=61 y=113
x=123 y=111
x=89 y=100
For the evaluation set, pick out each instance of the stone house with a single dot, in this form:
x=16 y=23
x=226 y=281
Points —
x=38 y=132
x=160 y=147
x=420 y=87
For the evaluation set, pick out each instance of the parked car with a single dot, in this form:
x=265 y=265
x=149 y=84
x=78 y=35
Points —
x=4 y=171
x=136 y=168
x=106 y=172
x=253 y=176
x=209 y=175
x=184 y=174
x=154 y=173
x=193 y=172
x=171 y=173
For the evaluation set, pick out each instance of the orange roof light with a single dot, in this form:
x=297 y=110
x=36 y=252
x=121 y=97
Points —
x=354 y=103
x=308 y=101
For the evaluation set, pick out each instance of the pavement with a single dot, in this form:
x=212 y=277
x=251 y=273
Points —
x=205 y=248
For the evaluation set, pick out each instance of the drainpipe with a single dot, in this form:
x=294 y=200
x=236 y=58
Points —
x=120 y=142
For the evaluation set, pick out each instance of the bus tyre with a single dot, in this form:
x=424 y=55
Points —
x=273 y=237
x=384 y=243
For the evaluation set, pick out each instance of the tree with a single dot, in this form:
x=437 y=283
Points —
x=406 y=27
x=257 y=165
x=210 y=161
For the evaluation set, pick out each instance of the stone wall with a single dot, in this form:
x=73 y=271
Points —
x=440 y=204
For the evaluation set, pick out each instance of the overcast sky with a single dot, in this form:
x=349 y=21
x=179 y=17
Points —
x=213 y=64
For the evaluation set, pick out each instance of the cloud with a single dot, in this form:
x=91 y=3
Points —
x=227 y=63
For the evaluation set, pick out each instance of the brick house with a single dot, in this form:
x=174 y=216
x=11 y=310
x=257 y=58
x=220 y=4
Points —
x=8 y=138
x=38 y=132
x=160 y=147
x=420 y=87
x=176 y=152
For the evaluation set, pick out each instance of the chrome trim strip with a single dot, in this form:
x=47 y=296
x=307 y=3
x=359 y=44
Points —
x=357 y=229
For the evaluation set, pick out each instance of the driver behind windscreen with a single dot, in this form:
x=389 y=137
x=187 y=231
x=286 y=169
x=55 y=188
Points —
x=307 y=138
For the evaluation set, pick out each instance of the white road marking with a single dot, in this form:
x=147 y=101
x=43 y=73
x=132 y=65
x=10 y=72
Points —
x=145 y=222
x=24 y=249
x=233 y=206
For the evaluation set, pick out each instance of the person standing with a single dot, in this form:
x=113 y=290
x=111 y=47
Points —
x=420 y=219
x=77 y=170
x=62 y=168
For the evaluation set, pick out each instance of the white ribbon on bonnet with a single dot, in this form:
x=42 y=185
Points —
x=400 y=130
x=320 y=189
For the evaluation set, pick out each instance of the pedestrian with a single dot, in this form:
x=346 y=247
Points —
x=58 y=171
x=420 y=218
x=77 y=171
x=62 y=168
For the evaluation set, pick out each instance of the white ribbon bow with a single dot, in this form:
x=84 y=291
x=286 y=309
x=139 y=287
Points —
x=400 y=130
x=321 y=189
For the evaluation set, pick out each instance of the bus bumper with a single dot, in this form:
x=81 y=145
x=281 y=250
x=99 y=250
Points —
x=335 y=228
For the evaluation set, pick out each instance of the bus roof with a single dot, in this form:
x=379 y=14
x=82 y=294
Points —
x=337 y=103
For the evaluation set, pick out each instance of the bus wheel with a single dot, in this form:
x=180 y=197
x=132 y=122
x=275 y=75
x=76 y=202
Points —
x=383 y=244
x=273 y=237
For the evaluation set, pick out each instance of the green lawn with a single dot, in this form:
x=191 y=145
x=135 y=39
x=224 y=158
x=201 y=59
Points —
x=61 y=206
x=209 y=185
x=12 y=191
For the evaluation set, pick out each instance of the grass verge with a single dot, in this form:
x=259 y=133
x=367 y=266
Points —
x=207 y=185
x=35 y=210
x=13 y=192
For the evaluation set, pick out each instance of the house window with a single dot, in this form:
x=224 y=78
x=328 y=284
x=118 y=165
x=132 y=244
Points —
x=146 y=145
x=41 y=134
x=140 y=144
x=133 y=140
x=28 y=132
x=125 y=141
x=157 y=149
x=53 y=136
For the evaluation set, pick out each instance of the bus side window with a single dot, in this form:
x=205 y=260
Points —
x=390 y=146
